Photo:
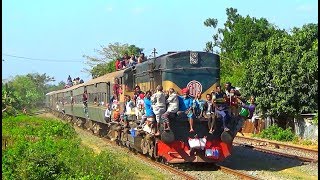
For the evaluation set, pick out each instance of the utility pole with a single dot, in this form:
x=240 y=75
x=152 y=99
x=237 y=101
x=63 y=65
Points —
x=154 y=52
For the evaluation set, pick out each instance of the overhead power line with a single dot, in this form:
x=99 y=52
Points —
x=38 y=59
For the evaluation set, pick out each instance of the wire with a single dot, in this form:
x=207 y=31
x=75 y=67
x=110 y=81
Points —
x=37 y=59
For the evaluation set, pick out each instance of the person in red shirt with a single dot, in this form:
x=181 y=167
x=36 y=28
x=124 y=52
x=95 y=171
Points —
x=232 y=101
x=117 y=64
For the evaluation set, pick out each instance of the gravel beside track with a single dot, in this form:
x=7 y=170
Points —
x=279 y=147
x=269 y=166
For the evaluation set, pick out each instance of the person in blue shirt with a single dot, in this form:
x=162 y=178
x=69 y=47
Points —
x=149 y=114
x=185 y=106
x=198 y=104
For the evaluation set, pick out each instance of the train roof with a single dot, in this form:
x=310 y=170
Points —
x=105 y=78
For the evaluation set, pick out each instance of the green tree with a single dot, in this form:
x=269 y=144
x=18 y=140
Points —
x=53 y=87
x=235 y=41
x=99 y=66
x=8 y=100
x=283 y=73
x=25 y=91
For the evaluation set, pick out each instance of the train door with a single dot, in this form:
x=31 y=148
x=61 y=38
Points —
x=155 y=75
x=151 y=75
x=71 y=103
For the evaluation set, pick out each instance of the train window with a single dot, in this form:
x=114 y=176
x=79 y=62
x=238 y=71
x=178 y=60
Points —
x=108 y=92
x=121 y=80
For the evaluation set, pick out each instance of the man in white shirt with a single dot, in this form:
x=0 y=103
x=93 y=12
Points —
x=107 y=114
x=173 y=107
x=159 y=106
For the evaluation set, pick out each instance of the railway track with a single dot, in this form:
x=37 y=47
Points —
x=177 y=169
x=237 y=173
x=290 y=151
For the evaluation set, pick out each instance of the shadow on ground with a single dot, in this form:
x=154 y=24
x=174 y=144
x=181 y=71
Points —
x=247 y=159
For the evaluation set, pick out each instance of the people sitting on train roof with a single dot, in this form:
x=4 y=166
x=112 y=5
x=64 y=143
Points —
x=66 y=86
x=185 y=106
x=121 y=64
x=197 y=105
x=208 y=113
x=126 y=60
x=141 y=58
x=221 y=106
x=81 y=81
x=74 y=82
x=117 y=64
x=172 y=107
x=69 y=81
x=132 y=61
x=159 y=106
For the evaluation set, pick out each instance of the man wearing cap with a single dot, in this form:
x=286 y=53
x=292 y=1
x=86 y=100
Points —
x=185 y=106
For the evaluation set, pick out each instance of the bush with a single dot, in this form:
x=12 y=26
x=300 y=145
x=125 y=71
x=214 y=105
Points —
x=277 y=133
x=47 y=149
x=315 y=119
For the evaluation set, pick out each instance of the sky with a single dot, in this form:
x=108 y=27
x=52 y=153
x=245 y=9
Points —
x=53 y=35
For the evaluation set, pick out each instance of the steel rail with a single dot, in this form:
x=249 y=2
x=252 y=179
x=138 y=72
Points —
x=278 y=144
x=306 y=159
x=237 y=173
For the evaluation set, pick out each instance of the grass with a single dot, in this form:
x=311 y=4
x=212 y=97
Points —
x=43 y=148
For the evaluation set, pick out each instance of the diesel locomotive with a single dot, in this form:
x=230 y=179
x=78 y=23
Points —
x=197 y=71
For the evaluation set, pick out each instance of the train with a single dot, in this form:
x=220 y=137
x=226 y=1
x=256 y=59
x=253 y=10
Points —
x=196 y=70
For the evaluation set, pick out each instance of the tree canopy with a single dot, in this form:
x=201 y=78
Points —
x=283 y=73
x=235 y=41
x=27 y=91
x=280 y=68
